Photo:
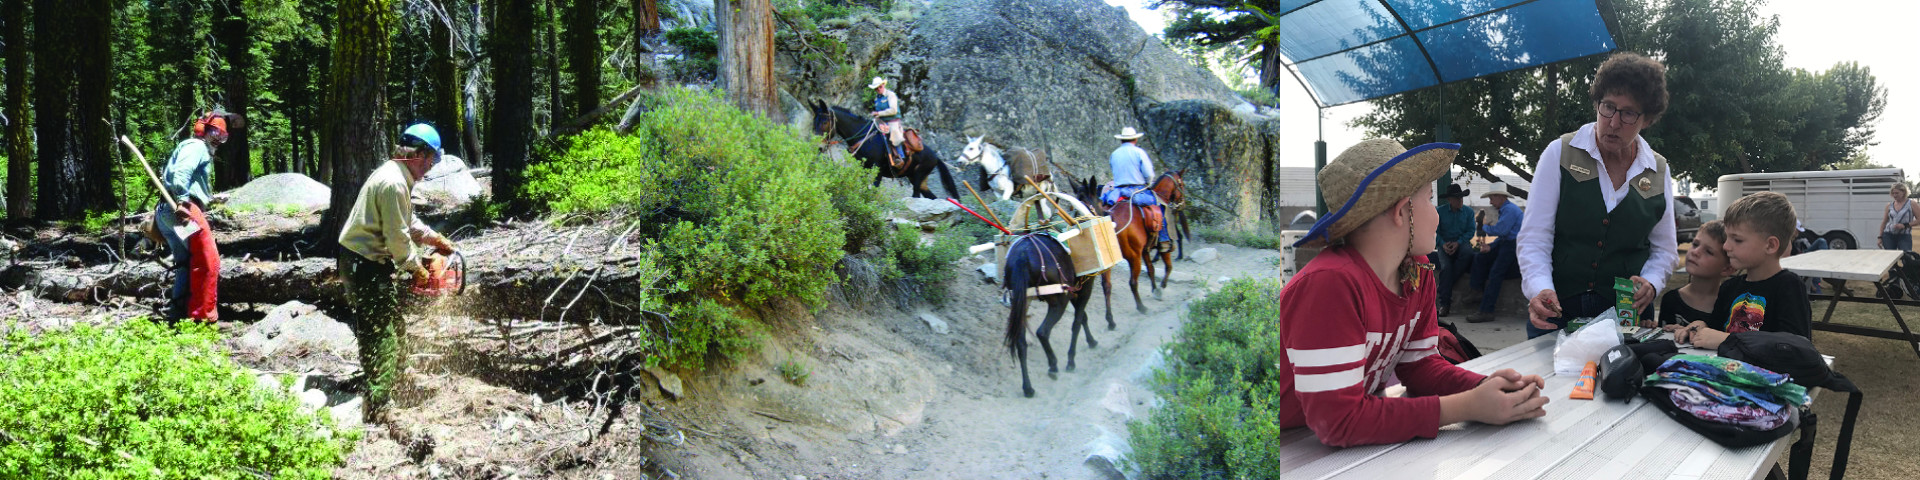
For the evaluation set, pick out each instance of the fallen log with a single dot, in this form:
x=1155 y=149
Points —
x=611 y=289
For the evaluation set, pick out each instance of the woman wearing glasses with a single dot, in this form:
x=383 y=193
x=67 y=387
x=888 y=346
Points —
x=1601 y=207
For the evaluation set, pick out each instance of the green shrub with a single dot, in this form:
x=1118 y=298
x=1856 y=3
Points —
x=928 y=267
x=1263 y=236
x=739 y=210
x=149 y=401
x=795 y=372
x=742 y=208
x=1221 y=409
x=699 y=50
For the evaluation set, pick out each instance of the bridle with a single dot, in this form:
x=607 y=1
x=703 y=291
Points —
x=981 y=157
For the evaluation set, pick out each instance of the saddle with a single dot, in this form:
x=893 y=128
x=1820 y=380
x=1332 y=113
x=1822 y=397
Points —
x=1148 y=213
x=910 y=141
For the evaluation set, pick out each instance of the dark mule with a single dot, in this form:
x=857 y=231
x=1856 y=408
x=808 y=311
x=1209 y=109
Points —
x=1138 y=239
x=1035 y=261
x=865 y=142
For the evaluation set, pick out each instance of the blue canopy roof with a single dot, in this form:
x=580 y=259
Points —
x=1354 y=50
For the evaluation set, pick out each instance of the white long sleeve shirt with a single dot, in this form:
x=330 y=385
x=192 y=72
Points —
x=1535 y=247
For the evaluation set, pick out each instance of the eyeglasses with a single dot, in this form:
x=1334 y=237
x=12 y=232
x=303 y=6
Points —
x=1628 y=117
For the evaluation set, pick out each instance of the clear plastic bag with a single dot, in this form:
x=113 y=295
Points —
x=1572 y=351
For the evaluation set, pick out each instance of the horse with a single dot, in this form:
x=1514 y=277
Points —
x=1138 y=239
x=866 y=142
x=1038 y=260
x=1009 y=171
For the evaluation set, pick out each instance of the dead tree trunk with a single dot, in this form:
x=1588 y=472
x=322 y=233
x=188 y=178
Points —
x=746 y=56
x=577 y=290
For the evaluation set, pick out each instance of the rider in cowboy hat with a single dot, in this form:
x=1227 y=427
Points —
x=886 y=115
x=1362 y=312
x=1496 y=259
x=1133 y=176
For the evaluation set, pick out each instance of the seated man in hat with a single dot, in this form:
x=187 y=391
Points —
x=1456 y=253
x=886 y=117
x=1497 y=259
x=1362 y=312
x=1133 y=178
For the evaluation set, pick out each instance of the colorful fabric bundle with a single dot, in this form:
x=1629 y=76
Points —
x=1728 y=391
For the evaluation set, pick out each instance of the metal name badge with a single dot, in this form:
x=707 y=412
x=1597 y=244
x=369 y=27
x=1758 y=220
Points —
x=1579 y=169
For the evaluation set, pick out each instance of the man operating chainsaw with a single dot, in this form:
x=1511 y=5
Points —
x=379 y=238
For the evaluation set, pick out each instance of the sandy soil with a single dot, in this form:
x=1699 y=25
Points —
x=888 y=397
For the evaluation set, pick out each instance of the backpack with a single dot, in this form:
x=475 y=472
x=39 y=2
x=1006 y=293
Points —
x=1795 y=356
x=1455 y=348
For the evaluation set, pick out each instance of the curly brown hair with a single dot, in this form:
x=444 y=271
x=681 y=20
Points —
x=1636 y=76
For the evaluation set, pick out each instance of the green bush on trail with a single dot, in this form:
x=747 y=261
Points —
x=926 y=267
x=144 y=400
x=736 y=209
x=1222 y=401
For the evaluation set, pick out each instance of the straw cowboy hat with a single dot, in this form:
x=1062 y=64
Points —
x=877 y=82
x=1498 y=188
x=1368 y=178
x=1129 y=134
x=1454 y=191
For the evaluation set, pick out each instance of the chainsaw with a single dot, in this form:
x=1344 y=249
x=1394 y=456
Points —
x=446 y=275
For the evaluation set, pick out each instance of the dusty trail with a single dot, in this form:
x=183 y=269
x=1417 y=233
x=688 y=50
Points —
x=889 y=397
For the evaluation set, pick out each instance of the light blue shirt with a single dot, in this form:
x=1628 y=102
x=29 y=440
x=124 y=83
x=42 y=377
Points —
x=188 y=170
x=1130 y=165
x=1509 y=224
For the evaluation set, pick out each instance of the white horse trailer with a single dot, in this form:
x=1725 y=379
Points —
x=1843 y=206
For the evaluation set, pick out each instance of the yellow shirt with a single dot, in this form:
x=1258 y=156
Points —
x=381 y=226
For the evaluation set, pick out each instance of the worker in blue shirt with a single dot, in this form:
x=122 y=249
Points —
x=1455 y=238
x=1497 y=258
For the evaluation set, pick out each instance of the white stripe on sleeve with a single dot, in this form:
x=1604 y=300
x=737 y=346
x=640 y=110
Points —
x=1423 y=344
x=1416 y=355
x=1326 y=357
x=1327 y=381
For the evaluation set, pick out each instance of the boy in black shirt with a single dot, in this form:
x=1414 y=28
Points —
x=1766 y=298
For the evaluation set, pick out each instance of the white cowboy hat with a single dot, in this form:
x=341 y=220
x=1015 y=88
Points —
x=1499 y=188
x=877 y=82
x=1129 y=134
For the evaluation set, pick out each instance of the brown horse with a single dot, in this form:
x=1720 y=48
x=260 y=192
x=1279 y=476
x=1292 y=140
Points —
x=1139 y=239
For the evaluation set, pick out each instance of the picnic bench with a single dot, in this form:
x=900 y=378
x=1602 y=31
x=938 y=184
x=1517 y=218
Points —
x=1583 y=439
x=1838 y=266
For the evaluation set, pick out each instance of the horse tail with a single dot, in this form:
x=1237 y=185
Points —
x=946 y=176
x=1018 y=271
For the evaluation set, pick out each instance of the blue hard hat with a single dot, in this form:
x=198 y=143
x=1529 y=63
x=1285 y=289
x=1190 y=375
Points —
x=427 y=134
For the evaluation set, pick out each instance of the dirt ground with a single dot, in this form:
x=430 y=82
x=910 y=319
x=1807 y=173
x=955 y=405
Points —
x=887 y=395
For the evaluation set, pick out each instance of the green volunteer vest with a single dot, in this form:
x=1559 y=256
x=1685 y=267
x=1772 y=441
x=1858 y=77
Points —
x=1592 y=246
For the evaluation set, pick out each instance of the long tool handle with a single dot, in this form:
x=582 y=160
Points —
x=1056 y=206
x=150 y=175
x=984 y=205
x=983 y=219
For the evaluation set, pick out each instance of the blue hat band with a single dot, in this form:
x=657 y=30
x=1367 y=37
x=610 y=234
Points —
x=1322 y=228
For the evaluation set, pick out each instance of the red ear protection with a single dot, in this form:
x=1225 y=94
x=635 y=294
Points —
x=216 y=121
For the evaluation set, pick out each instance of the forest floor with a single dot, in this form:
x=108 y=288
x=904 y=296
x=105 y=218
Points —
x=887 y=395
x=896 y=386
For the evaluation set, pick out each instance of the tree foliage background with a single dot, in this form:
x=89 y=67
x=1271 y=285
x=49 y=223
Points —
x=1735 y=106
x=81 y=73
